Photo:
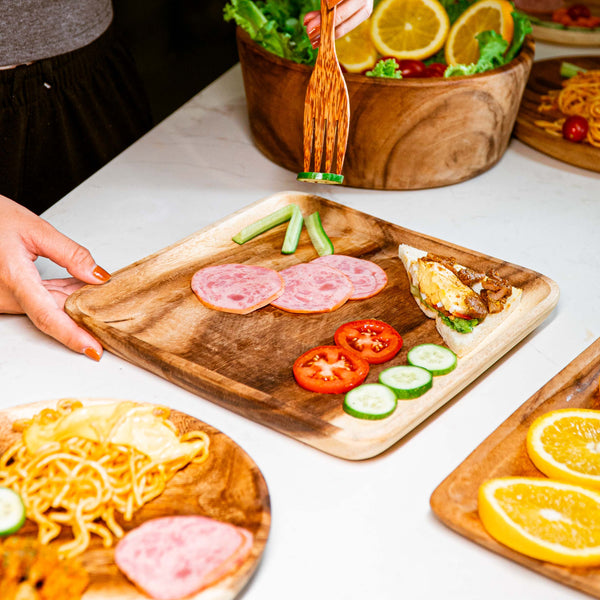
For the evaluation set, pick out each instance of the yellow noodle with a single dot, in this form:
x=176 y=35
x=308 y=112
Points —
x=84 y=484
x=580 y=95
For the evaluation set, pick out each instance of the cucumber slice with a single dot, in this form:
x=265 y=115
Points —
x=318 y=237
x=407 y=381
x=278 y=217
x=293 y=231
x=370 y=401
x=313 y=177
x=12 y=511
x=438 y=360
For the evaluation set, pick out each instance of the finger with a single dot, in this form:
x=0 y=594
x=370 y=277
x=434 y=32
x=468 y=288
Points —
x=78 y=261
x=352 y=22
x=65 y=286
x=40 y=306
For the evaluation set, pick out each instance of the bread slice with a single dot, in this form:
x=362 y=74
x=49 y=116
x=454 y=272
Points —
x=460 y=343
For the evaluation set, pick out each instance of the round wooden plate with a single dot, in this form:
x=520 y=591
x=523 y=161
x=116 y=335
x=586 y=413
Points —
x=566 y=37
x=545 y=76
x=228 y=487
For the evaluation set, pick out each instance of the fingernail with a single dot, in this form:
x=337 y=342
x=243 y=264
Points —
x=315 y=41
x=101 y=274
x=92 y=353
x=311 y=32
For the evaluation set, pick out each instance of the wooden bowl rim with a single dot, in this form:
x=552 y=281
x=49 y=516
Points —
x=526 y=54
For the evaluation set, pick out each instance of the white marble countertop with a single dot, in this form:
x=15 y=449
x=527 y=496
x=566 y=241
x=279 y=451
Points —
x=340 y=529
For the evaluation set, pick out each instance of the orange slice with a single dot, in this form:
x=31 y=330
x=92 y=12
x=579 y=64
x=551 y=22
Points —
x=565 y=444
x=550 y=520
x=409 y=28
x=356 y=51
x=486 y=15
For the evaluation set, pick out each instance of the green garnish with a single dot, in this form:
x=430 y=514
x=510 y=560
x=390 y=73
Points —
x=388 y=68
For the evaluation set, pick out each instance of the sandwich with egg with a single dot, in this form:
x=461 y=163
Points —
x=467 y=305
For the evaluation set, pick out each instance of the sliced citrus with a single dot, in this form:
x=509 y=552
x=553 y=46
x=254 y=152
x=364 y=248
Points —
x=356 y=51
x=565 y=444
x=409 y=28
x=462 y=46
x=550 y=520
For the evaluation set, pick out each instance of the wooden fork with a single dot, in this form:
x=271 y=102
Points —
x=326 y=106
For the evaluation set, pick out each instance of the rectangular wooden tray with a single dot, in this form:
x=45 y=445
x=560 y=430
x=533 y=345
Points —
x=504 y=454
x=148 y=315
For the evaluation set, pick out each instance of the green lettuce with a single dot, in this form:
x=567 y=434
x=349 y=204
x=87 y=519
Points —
x=277 y=25
x=460 y=325
x=494 y=50
x=386 y=68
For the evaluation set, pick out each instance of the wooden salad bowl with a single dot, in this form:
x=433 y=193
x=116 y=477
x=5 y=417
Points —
x=404 y=134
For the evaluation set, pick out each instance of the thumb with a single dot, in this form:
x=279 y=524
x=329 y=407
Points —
x=69 y=254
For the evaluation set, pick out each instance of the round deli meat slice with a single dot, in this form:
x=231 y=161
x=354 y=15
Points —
x=172 y=557
x=367 y=277
x=237 y=288
x=313 y=288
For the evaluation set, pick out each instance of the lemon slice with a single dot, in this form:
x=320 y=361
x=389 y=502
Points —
x=409 y=28
x=550 y=520
x=565 y=444
x=486 y=15
x=356 y=51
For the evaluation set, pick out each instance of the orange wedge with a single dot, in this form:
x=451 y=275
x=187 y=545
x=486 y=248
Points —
x=409 y=28
x=462 y=46
x=550 y=520
x=565 y=445
x=356 y=51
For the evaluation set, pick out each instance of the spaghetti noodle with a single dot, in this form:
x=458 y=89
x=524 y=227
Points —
x=88 y=479
x=580 y=95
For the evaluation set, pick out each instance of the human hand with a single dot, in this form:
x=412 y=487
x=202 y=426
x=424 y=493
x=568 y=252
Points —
x=23 y=237
x=348 y=15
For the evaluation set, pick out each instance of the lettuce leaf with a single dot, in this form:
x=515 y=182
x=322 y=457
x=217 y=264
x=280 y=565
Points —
x=493 y=49
x=460 y=325
x=522 y=26
x=386 y=68
x=277 y=25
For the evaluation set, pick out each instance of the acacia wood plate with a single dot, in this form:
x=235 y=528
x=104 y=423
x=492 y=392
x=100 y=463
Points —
x=228 y=487
x=545 y=76
x=504 y=454
x=148 y=315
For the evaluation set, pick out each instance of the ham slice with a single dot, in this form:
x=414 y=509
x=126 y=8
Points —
x=367 y=278
x=237 y=288
x=313 y=288
x=172 y=557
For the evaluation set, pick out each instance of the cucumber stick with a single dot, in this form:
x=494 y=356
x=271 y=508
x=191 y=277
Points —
x=278 y=217
x=370 y=401
x=12 y=511
x=318 y=237
x=438 y=360
x=293 y=231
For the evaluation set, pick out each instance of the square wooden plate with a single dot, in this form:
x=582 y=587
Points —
x=504 y=454
x=148 y=315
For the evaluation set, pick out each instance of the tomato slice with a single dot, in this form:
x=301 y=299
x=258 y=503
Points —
x=330 y=370
x=374 y=340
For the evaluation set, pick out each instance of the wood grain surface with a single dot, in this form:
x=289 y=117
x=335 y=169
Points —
x=404 y=134
x=326 y=106
x=148 y=315
x=545 y=76
x=504 y=454
x=228 y=487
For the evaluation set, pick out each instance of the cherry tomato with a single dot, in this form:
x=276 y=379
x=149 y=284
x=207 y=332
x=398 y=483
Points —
x=579 y=11
x=411 y=68
x=330 y=370
x=374 y=340
x=575 y=128
x=435 y=70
